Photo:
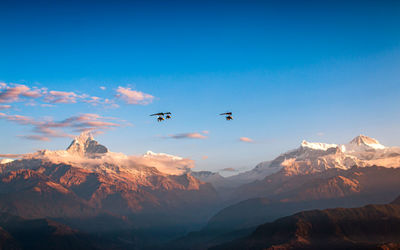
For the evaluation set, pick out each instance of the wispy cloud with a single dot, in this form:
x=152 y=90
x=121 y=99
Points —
x=35 y=137
x=17 y=92
x=11 y=155
x=228 y=170
x=102 y=88
x=46 y=129
x=61 y=97
x=246 y=139
x=5 y=107
x=188 y=136
x=23 y=120
x=11 y=93
x=47 y=105
x=134 y=97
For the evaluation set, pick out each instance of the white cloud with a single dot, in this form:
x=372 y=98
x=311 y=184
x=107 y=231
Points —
x=134 y=97
x=165 y=163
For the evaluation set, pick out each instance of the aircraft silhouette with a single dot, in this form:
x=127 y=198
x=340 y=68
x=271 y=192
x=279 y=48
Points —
x=160 y=117
x=228 y=116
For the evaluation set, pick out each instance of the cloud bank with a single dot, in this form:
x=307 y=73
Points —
x=165 y=163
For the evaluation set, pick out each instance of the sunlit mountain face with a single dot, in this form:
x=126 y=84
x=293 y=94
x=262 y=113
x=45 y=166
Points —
x=312 y=176
x=155 y=199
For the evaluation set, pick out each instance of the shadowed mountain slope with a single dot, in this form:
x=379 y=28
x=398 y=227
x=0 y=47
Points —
x=369 y=227
x=285 y=195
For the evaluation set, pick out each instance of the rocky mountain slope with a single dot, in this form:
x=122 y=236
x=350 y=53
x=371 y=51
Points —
x=88 y=183
x=279 y=195
x=318 y=157
x=17 y=233
x=92 y=189
x=368 y=227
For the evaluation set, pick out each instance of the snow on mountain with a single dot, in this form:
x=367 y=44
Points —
x=150 y=154
x=312 y=157
x=87 y=153
x=317 y=157
x=167 y=163
x=87 y=180
x=362 y=143
x=4 y=161
x=317 y=145
x=85 y=145
x=258 y=173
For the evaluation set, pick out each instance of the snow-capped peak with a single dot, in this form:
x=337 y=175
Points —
x=84 y=136
x=368 y=141
x=4 y=161
x=362 y=143
x=152 y=154
x=317 y=145
x=84 y=144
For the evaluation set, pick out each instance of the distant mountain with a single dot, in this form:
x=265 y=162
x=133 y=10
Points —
x=215 y=178
x=335 y=187
x=313 y=157
x=280 y=195
x=154 y=197
x=369 y=227
x=17 y=233
x=87 y=185
x=85 y=145
x=313 y=176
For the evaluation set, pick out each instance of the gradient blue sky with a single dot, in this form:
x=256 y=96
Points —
x=289 y=70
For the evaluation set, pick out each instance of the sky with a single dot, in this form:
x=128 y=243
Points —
x=289 y=71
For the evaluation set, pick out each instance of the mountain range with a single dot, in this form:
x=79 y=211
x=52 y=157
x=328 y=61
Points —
x=313 y=176
x=92 y=189
x=312 y=157
x=148 y=200
x=368 y=227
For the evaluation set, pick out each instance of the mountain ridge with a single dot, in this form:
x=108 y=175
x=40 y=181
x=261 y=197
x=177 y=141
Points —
x=311 y=157
x=368 y=227
x=148 y=191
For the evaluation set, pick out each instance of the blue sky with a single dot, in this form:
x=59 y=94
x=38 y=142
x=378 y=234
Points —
x=289 y=70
